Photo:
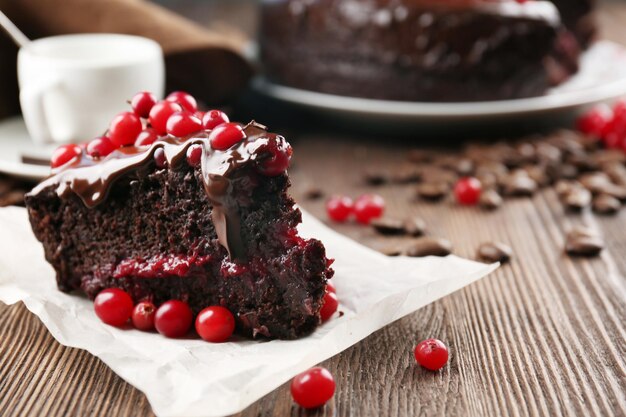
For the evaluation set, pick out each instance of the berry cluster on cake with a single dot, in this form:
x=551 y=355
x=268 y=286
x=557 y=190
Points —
x=176 y=204
x=420 y=50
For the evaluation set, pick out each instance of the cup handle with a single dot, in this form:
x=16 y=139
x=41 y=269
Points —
x=31 y=100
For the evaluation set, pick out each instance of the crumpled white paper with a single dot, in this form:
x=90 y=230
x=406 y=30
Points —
x=190 y=377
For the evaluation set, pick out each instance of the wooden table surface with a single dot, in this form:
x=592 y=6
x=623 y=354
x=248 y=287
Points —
x=543 y=336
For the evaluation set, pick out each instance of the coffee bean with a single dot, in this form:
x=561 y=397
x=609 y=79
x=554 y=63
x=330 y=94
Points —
x=564 y=187
x=433 y=190
x=394 y=250
x=494 y=252
x=376 y=177
x=538 y=174
x=414 y=226
x=519 y=184
x=583 y=242
x=490 y=200
x=388 y=226
x=577 y=199
x=595 y=181
x=406 y=174
x=609 y=156
x=313 y=193
x=465 y=167
x=616 y=171
x=429 y=246
x=419 y=156
x=606 y=204
x=548 y=153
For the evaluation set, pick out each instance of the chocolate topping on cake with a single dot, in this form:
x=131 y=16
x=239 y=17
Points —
x=91 y=179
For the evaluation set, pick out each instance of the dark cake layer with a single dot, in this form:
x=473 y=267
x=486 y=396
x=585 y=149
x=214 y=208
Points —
x=578 y=17
x=417 y=50
x=153 y=233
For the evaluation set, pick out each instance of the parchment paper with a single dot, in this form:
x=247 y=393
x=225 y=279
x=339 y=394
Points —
x=190 y=377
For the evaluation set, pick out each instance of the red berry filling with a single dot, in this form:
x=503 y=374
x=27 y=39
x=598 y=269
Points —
x=113 y=306
x=173 y=318
x=431 y=354
x=194 y=155
x=313 y=388
x=64 y=154
x=159 y=158
x=142 y=103
x=277 y=162
x=226 y=135
x=215 y=324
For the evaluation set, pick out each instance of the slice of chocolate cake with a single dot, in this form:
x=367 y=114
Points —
x=205 y=219
x=417 y=50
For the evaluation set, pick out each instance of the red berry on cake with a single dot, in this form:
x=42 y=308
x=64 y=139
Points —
x=467 y=191
x=277 y=162
x=100 y=147
x=226 y=135
x=182 y=124
x=339 y=208
x=313 y=388
x=432 y=354
x=146 y=137
x=159 y=158
x=215 y=324
x=124 y=129
x=113 y=306
x=64 y=154
x=368 y=207
x=160 y=113
x=173 y=318
x=214 y=118
x=194 y=155
x=142 y=103
x=329 y=306
x=186 y=100
x=143 y=316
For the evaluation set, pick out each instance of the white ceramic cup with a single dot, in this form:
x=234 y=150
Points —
x=71 y=86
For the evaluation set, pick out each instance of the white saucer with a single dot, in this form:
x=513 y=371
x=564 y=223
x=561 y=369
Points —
x=16 y=143
x=602 y=77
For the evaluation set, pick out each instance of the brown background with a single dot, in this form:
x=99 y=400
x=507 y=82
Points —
x=544 y=335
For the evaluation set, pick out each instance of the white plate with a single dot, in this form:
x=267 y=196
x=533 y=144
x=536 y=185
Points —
x=602 y=77
x=14 y=144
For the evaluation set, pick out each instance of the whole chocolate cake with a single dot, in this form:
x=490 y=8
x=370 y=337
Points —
x=578 y=17
x=183 y=219
x=417 y=50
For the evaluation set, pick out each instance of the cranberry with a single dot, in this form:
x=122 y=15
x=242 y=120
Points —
x=182 y=124
x=159 y=158
x=173 y=318
x=64 y=154
x=100 y=147
x=186 y=100
x=594 y=121
x=329 y=305
x=278 y=162
x=368 y=207
x=431 y=354
x=214 y=118
x=226 y=135
x=614 y=140
x=339 y=208
x=199 y=114
x=143 y=316
x=313 y=388
x=124 y=129
x=160 y=113
x=142 y=103
x=330 y=287
x=215 y=324
x=113 y=306
x=146 y=137
x=194 y=155
x=467 y=191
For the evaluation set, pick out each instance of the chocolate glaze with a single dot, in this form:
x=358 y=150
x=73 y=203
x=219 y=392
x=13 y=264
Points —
x=91 y=179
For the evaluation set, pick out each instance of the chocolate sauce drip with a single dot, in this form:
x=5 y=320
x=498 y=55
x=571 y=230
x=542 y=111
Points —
x=91 y=179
